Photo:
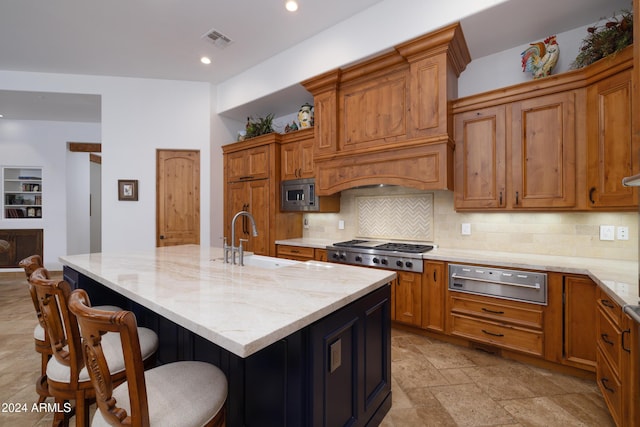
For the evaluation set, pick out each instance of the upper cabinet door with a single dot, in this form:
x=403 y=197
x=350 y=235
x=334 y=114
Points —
x=247 y=165
x=480 y=158
x=543 y=152
x=612 y=154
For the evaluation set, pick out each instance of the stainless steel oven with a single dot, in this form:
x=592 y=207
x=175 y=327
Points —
x=515 y=285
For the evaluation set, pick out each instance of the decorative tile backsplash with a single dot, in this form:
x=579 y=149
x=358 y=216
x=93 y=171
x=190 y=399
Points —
x=404 y=217
x=363 y=212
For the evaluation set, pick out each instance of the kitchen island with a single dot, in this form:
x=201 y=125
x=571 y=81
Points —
x=301 y=343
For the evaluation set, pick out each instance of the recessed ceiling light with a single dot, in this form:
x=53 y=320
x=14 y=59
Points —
x=205 y=60
x=291 y=5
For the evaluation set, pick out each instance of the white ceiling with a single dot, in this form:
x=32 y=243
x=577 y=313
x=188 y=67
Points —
x=163 y=38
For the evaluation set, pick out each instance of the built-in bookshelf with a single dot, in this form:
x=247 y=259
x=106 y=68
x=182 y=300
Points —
x=22 y=192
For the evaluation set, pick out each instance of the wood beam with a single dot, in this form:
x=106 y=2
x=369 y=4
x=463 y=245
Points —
x=85 y=147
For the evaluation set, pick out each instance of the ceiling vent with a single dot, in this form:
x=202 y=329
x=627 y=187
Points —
x=217 y=38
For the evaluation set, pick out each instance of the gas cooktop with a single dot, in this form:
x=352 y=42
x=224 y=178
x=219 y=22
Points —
x=389 y=255
x=385 y=246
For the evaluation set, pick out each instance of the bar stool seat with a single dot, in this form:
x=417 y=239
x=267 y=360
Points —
x=186 y=394
x=179 y=394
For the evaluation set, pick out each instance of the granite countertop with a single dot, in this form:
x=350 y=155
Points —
x=618 y=278
x=240 y=308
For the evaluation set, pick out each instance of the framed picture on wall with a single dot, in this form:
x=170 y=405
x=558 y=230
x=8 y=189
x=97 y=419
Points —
x=128 y=189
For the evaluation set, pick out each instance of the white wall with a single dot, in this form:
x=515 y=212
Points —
x=138 y=117
x=78 y=182
x=343 y=43
x=43 y=144
x=223 y=132
x=95 y=220
x=505 y=68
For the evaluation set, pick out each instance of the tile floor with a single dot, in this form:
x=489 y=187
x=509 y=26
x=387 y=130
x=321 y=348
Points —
x=434 y=383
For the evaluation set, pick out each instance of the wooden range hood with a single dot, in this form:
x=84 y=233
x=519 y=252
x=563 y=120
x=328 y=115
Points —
x=386 y=120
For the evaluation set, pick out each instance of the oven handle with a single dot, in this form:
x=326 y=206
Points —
x=455 y=276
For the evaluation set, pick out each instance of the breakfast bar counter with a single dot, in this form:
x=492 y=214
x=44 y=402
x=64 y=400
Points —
x=297 y=340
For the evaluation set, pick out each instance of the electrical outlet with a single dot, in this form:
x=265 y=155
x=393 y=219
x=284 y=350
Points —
x=341 y=224
x=607 y=232
x=305 y=223
x=465 y=229
x=623 y=233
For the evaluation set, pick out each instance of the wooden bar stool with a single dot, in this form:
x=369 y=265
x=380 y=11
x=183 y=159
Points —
x=67 y=376
x=176 y=394
x=31 y=264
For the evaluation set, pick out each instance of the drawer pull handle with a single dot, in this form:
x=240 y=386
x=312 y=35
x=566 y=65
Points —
x=604 y=382
x=493 y=334
x=624 y=347
x=605 y=338
x=492 y=311
x=497 y=282
x=295 y=251
x=607 y=303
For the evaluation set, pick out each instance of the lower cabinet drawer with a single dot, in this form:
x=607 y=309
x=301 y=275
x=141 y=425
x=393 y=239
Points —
x=299 y=253
x=610 y=386
x=506 y=336
x=519 y=313
x=609 y=340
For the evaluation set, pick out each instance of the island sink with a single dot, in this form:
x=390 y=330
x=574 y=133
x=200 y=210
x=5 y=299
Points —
x=265 y=262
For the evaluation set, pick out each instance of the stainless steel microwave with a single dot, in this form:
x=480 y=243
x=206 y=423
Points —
x=299 y=195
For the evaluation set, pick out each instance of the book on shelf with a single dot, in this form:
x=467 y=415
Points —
x=14 y=213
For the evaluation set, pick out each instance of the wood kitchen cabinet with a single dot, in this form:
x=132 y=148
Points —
x=617 y=361
x=612 y=153
x=543 y=152
x=386 y=119
x=434 y=281
x=252 y=183
x=480 y=158
x=517 y=156
x=512 y=325
x=301 y=253
x=610 y=356
x=579 y=323
x=297 y=155
x=631 y=369
x=253 y=197
x=245 y=165
x=407 y=298
x=518 y=147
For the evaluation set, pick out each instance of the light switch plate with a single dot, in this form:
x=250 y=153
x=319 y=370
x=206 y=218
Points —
x=607 y=232
x=623 y=233
x=465 y=229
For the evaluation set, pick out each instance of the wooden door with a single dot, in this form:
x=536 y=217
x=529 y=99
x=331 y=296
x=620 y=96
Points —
x=480 y=158
x=580 y=296
x=177 y=197
x=612 y=154
x=543 y=152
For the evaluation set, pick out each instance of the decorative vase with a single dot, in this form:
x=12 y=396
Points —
x=305 y=116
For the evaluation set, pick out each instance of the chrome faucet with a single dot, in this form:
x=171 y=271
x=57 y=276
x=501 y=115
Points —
x=237 y=249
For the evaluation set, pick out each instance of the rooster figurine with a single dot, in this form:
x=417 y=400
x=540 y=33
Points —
x=540 y=58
